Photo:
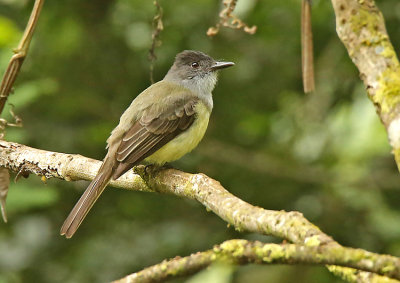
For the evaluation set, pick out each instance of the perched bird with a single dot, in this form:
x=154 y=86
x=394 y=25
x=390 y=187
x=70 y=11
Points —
x=163 y=123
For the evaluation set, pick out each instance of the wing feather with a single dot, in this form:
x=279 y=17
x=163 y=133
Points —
x=134 y=133
x=147 y=135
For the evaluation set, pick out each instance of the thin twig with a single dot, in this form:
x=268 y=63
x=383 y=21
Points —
x=229 y=20
x=6 y=85
x=155 y=37
x=20 y=53
x=307 y=55
x=4 y=185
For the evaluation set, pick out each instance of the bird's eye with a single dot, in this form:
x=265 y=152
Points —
x=195 y=65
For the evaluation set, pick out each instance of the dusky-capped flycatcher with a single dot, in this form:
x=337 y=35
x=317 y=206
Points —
x=163 y=123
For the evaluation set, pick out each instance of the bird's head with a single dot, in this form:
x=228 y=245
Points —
x=195 y=69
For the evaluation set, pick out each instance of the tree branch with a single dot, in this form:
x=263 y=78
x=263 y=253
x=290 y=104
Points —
x=10 y=75
x=287 y=225
x=291 y=226
x=361 y=27
x=241 y=252
x=20 y=53
x=70 y=167
x=356 y=276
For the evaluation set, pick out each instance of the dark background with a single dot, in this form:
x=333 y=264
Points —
x=324 y=154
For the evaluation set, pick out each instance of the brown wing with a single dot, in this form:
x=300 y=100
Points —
x=150 y=133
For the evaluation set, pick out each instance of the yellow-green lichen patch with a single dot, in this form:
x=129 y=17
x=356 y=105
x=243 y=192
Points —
x=388 y=268
x=364 y=19
x=234 y=248
x=312 y=241
x=374 y=36
x=239 y=229
x=188 y=188
x=388 y=50
x=164 y=267
x=348 y=274
x=273 y=252
x=387 y=95
x=229 y=251
x=357 y=256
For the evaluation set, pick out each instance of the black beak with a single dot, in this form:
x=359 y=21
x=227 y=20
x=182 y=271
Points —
x=221 y=65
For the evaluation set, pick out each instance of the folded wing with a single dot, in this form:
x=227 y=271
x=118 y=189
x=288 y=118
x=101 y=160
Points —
x=151 y=132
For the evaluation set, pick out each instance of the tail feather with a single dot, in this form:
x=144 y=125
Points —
x=87 y=200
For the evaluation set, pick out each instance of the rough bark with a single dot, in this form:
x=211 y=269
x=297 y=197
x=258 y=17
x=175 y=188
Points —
x=291 y=226
x=240 y=252
x=361 y=27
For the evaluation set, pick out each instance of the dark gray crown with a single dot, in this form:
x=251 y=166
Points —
x=188 y=57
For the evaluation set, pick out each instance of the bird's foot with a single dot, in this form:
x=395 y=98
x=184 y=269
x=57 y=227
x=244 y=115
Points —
x=146 y=172
x=154 y=168
x=150 y=168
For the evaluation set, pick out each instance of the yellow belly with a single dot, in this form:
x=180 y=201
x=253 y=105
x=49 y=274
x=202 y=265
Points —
x=185 y=142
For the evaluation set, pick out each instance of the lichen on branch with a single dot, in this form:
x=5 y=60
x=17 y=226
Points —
x=361 y=27
x=241 y=252
x=291 y=226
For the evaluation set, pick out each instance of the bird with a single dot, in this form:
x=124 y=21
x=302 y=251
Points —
x=163 y=123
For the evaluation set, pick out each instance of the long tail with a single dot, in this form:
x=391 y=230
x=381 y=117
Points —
x=89 y=197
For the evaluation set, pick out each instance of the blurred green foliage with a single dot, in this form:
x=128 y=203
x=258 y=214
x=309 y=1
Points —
x=325 y=154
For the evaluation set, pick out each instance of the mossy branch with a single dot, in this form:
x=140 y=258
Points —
x=241 y=252
x=291 y=226
x=361 y=27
